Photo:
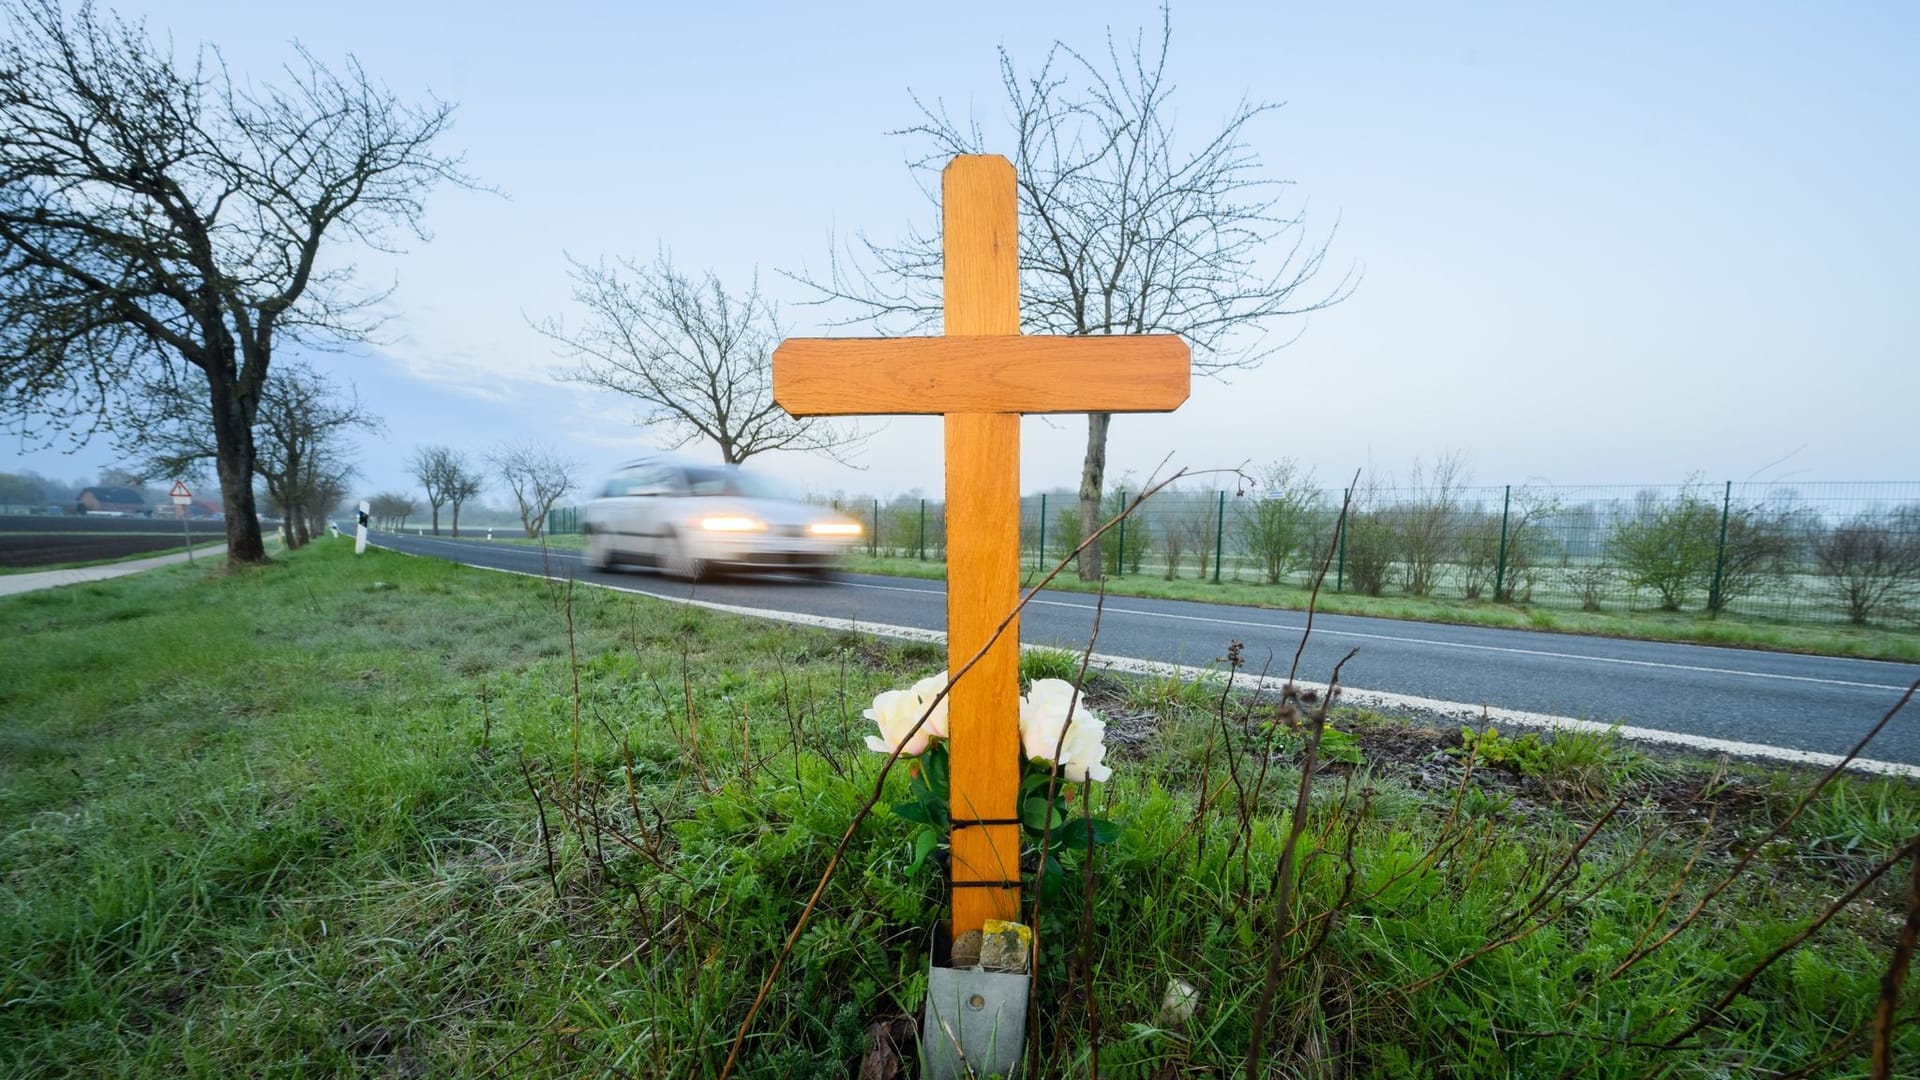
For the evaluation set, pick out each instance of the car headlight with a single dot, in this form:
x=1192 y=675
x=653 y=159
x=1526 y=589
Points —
x=732 y=523
x=834 y=528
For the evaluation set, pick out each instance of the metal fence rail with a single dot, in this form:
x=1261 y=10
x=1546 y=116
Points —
x=1810 y=553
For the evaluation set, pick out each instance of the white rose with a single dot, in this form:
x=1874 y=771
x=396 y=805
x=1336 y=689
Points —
x=895 y=712
x=1044 y=712
x=928 y=689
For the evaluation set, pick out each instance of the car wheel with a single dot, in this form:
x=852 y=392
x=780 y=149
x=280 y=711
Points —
x=681 y=564
x=599 y=554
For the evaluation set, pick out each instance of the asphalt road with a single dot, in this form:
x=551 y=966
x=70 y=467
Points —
x=1807 y=703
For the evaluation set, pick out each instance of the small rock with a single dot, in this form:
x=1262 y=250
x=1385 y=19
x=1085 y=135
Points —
x=966 y=950
x=1004 y=946
x=1177 y=1007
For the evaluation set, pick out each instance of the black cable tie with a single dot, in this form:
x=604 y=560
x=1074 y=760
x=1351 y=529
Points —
x=985 y=821
x=984 y=884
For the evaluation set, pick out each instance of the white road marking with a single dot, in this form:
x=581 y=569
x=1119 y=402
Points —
x=1351 y=695
x=1213 y=620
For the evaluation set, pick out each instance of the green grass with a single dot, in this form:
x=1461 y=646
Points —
x=280 y=822
x=1736 y=631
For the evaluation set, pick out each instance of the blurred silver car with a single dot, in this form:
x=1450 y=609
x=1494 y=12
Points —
x=692 y=521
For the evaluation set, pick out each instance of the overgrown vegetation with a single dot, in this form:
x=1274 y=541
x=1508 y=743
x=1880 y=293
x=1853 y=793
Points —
x=404 y=818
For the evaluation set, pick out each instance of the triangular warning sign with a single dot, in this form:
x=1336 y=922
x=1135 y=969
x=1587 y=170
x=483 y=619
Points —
x=179 y=489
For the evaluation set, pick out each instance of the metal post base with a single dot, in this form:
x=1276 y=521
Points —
x=976 y=1023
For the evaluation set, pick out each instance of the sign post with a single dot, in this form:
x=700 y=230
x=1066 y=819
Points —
x=182 y=498
x=360 y=530
x=980 y=377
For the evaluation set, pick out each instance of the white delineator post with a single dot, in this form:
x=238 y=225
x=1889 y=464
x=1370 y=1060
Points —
x=360 y=530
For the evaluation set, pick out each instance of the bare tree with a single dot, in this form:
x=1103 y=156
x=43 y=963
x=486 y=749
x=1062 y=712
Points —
x=1123 y=228
x=298 y=429
x=537 y=477
x=463 y=483
x=697 y=357
x=436 y=468
x=390 y=509
x=158 y=214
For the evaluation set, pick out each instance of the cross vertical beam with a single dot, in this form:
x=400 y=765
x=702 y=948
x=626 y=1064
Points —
x=981 y=376
x=982 y=297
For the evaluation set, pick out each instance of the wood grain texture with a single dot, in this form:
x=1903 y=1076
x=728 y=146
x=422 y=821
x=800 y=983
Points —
x=979 y=240
x=983 y=584
x=998 y=373
x=980 y=246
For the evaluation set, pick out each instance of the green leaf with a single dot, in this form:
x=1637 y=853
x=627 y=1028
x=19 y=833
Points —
x=923 y=844
x=913 y=811
x=1037 y=815
x=1035 y=783
x=1074 y=836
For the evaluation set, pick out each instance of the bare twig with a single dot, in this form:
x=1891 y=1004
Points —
x=1752 y=853
x=1897 y=971
x=886 y=767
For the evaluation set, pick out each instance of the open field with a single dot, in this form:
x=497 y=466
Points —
x=390 y=816
x=49 y=543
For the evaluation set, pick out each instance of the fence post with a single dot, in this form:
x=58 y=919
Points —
x=1500 y=565
x=1219 y=536
x=923 y=530
x=1040 y=554
x=1346 y=510
x=1120 y=552
x=873 y=538
x=1714 y=599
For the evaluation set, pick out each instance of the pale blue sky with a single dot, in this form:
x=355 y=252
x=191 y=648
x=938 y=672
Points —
x=1618 y=243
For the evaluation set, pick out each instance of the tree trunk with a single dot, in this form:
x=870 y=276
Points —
x=436 y=519
x=456 y=521
x=233 y=460
x=1093 y=481
x=297 y=532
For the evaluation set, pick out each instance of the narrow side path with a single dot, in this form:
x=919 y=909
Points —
x=53 y=579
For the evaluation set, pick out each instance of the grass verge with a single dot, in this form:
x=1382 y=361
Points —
x=387 y=815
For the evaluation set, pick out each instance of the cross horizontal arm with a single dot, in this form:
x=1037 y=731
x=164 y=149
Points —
x=1008 y=373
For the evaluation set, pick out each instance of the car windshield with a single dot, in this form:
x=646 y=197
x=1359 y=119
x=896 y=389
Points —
x=718 y=481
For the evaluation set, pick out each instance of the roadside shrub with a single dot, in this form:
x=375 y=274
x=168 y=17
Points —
x=1173 y=544
x=1202 y=534
x=1758 y=545
x=1425 y=521
x=1122 y=548
x=1668 y=546
x=1872 y=563
x=1589 y=583
x=1275 y=527
x=1370 y=545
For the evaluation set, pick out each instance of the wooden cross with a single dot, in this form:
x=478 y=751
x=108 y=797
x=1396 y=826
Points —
x=981 y=376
